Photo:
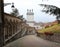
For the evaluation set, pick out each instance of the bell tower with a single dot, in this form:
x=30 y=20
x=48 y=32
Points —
x=30 y=17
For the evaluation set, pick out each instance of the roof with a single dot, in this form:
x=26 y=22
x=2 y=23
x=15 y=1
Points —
x=30 y=13
x=30 y=21
x=11 y=15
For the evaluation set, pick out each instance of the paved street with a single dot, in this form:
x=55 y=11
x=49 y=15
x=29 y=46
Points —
x=32 y=41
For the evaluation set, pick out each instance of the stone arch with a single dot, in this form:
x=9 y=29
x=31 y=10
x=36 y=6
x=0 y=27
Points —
x=24 y=31
x=6 y=28
x=11 y=28
x=14 y=26
x=18 y=25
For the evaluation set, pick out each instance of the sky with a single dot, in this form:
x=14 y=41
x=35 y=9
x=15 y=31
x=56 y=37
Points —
x=23 y=5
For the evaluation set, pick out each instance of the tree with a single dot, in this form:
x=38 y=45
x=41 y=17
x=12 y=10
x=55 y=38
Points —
x=51 y=9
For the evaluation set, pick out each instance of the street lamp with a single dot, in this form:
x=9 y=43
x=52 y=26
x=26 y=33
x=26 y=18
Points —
x=5 y=4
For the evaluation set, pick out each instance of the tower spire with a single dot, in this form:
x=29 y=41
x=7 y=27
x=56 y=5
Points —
x=30 y=12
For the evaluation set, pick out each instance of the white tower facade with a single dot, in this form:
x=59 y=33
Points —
x=30 y=17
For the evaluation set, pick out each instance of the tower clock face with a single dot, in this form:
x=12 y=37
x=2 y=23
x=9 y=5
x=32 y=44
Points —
x=30 y=18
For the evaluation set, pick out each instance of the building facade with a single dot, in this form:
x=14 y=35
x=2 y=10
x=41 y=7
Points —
x=30 y=17
x=12 y=27
x=30 y=20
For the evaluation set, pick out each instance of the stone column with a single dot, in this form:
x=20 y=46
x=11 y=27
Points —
x=12 y=29
x=8 y=31
x=15 y=27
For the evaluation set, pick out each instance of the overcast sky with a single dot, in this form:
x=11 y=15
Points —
x=23 y=5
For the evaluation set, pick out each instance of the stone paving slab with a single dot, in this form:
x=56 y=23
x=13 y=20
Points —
x=32 y=41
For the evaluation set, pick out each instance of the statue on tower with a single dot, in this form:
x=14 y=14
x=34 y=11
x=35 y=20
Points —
x=14 y=10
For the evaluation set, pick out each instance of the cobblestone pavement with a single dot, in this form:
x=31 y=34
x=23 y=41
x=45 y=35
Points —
x=32 y=41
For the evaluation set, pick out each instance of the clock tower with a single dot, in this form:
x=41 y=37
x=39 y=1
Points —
x=30 y=17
